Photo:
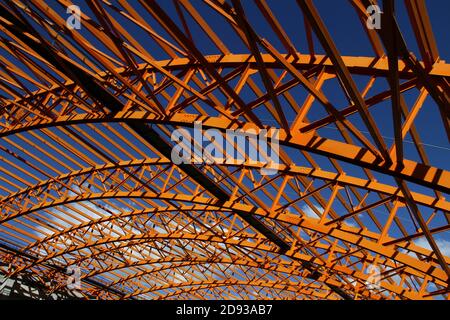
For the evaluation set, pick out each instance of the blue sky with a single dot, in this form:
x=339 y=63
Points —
x=351 y=40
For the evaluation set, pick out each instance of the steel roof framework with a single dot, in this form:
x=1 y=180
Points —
x=87 y=181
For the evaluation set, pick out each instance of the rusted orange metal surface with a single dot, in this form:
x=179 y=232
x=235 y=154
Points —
x=86 y=179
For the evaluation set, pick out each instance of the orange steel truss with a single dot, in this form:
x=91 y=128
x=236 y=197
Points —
x=86 y=178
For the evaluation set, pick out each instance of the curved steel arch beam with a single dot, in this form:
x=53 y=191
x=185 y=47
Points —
x=183 y=262
x=362 y=277
x=317 y=245
x=322 y=278
x=196 y=261
x=187 y=263
x=158 y=210
x=306 y=274
x=421 y=174
x=126 y=214
x=428 y=201
x=195 y=291
x=345 y=233
x=355 y=64
x=212 y=238
x=289 y=286
x=144 y=262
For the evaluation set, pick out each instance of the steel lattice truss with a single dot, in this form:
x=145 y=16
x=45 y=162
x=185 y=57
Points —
x=86 y=178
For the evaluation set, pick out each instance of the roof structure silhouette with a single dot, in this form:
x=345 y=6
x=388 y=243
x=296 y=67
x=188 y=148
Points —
x=88 y=184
